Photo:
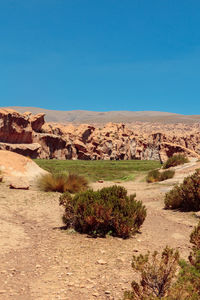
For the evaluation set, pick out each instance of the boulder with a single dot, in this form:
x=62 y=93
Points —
x=15 y=166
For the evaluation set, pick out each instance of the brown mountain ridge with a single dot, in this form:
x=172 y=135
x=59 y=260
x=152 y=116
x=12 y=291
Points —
x=91 y=117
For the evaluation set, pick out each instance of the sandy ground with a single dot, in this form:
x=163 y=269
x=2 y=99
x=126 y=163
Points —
x=41 y=261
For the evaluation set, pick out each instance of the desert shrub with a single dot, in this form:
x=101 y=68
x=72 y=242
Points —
x=167 y=175
x=156 y=275
x=175 y=160
x=159 y=279
x=61 y=182
x=65 y=198
x=187 y=285
x=155 y=175
x=1 y=176
x=108 y=210
x=195 y=237
x=195 y=255
x=185 y=196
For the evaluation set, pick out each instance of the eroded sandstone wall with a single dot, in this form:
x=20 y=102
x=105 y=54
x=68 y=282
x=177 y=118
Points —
x=29 y=135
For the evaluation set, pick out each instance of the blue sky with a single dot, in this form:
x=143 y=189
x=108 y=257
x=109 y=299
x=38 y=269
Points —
x=101 y=54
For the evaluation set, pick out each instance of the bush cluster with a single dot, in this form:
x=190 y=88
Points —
x=106 y=211
x=185 y=196
x=159 y=278
x=175 y=160
x=62 y=182
x=156 y=175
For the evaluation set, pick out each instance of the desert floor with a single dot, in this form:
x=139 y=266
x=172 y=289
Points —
x=41 y=261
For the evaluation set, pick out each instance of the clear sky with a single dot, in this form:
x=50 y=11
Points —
x=101 y=54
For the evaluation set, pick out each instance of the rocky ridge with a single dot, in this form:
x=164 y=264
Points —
x=31 y=136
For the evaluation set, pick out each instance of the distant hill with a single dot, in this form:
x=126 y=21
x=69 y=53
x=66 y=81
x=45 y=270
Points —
x=84 y=116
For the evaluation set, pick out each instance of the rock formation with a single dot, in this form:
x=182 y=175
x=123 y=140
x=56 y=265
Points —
x=19 y=170
x=29 y=135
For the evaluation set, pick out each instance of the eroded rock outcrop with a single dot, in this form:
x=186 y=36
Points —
x=21 y=133
x=15 y=127
x=29 y=135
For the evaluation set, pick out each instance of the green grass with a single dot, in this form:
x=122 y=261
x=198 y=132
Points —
x=100 y=169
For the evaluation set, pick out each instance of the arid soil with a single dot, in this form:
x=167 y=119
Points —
x=39 y=260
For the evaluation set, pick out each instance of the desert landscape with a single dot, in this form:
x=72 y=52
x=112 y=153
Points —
x=99 y=150
x=42 y=259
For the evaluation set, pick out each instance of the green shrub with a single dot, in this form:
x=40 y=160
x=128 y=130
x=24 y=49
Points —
x=155 y=175
x=187 y=285
x=195 y=240
x=175 y=160
x=65 y=198
x=185 y=196
x=108 y=210
x=159 y=279
x=195 y=237
x=167 y=175
x=61 y=182
x=156 y=275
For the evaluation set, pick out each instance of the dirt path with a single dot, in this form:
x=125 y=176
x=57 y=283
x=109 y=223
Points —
x=40 y=261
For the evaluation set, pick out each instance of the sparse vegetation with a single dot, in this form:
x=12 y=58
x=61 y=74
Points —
x=166 y=175
x=108 y=210
x=62 y=182
x=100 y=170
x=156 y=175
x=185 y=196
x=65 y=198
x=175 y=160
x=156 y=275
x=158 y=278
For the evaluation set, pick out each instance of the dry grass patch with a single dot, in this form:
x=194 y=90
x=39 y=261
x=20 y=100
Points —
x=62 y=182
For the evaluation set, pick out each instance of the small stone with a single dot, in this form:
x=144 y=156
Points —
x=107 y=292
x=95 y=294
x=37 y=266
x=101 y=262
x=19 y=183
x=82 y=286
x=2 y=291
x=120 y=260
